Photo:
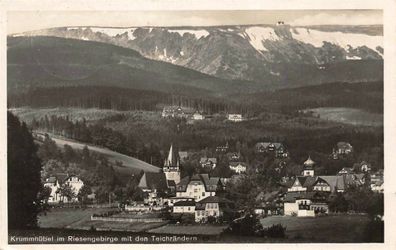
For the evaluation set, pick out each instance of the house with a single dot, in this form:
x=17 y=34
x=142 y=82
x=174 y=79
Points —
x=197 y=116
x=302 y=184
x=183 y=155
x=238 y=167
x=377 y=181
x=377 y=187
x=274 y=147
x=53 y=183
x=171 y=166
x=222 y=149
x=346 y=171
x=208 y=162
x=364 y=166
x=58 y=180
x=154 y=186
x=377 y=176
x=198 y=186
x=325 y=183
x=74 y=182
x=212 y=206
x=170 y=201
x=176 y=112
x=234 y=156
x=306 y=204
x=235 y=117
x=187 y=206
x=344 y=148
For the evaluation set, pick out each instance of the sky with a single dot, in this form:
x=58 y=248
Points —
x=22 y=21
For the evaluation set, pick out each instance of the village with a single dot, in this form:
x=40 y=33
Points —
x=205 y=198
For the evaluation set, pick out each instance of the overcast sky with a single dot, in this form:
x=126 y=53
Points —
x=27 y=21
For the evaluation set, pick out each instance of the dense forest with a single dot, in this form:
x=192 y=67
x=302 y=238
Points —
x=115 y=98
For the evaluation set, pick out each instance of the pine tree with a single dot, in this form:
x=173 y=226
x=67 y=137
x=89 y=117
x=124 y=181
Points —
x=24 y=182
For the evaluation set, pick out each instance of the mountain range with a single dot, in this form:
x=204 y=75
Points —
x=279 y=56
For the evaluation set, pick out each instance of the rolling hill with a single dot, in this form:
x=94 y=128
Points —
x=54 y=62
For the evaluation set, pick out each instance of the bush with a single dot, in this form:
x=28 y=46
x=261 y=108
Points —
x=246 y=226
x=274 y=231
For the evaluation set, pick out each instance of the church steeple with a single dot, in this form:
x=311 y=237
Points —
x=308 y=167
x=172 y=166
x=172 y=160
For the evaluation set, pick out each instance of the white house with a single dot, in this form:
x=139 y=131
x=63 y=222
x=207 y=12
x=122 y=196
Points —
x=198 y=186
x=213 y=206
x=304 y=204
x=238 y=167
x=235 y=117
x=182 y=207
x=57 y=181
x=197 y=116
x=208 y=162
x=53 y=183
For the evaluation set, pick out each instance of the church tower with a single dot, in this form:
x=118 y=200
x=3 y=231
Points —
x=172 y=166
x=308 y=167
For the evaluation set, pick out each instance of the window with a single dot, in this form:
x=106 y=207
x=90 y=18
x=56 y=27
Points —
x=203 y=193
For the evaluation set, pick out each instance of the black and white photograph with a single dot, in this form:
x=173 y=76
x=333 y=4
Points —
x=195 y=126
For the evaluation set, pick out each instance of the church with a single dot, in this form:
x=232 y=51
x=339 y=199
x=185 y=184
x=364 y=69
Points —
x=171 y=167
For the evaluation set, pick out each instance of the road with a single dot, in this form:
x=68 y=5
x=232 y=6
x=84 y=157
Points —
x=127 y=161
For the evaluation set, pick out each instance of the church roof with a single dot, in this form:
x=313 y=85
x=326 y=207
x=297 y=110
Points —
x=153 y=181
x=309 y=162
x=173 y=158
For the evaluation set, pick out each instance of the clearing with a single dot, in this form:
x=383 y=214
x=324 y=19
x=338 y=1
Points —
x=350 y=116
x=332 y=228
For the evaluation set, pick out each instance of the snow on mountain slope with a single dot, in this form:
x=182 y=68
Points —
x=257 y=35
x=345 y=40
x=197 y=33
x=250 y=52
x=113 y=32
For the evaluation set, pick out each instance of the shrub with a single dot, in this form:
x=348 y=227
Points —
x=274 y=231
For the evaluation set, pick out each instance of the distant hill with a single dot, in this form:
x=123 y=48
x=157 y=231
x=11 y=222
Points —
x=54 y=62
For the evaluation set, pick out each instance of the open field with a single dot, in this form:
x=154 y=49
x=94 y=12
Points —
x=332 y=228
x=350 y=116
x=66 y=217
x=189 y=229
x=130 y=164
x=81 y=219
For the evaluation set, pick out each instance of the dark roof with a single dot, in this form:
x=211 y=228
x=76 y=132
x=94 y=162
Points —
x=306 y=181
x=51 y=179
x=214 y=199
x=153 y=181
x=61 y=177
x=313 y=196
x=344 y=145
x=236 y=163
x=184 y=204
x=277 y=145
x=210 y=183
